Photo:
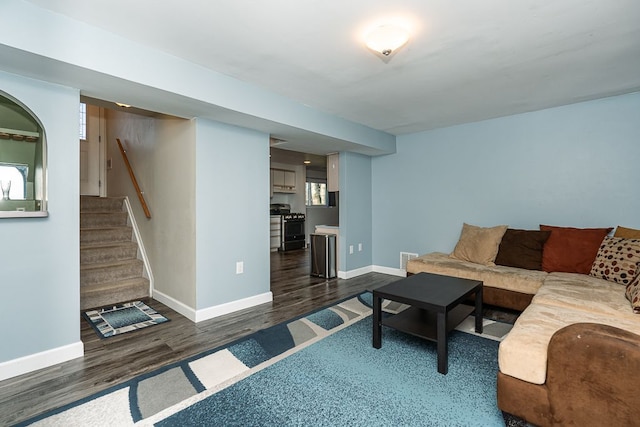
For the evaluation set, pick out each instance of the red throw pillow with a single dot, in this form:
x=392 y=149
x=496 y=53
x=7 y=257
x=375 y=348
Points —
x=571 y=250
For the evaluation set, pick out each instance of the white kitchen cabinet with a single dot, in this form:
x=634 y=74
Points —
x=290 y=179
x=333 y=172
x=283 y=181
x=277 y=177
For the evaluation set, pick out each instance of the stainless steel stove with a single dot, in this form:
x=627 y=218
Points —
x=292 y=231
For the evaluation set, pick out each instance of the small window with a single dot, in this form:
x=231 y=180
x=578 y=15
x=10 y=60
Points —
x=315 y=193
x=83 y=121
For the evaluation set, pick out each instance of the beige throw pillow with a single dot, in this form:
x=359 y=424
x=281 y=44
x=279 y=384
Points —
x=627 y=233
x=478 y=244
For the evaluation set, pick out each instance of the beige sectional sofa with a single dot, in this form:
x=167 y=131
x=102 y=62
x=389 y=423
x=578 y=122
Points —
x=507 y=287
x=573 y=355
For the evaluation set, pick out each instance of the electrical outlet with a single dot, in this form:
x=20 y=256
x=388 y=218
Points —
x=239 y=267
x=359 y=247
x=350 y=249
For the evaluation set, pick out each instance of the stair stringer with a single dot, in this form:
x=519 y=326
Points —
x=137 y=238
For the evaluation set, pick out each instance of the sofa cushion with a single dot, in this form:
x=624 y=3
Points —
x=627 y=233
x=509 y=278
x=478 y=244
x=522 y=248
x=633 y=294
x=618 y=260
x=571 y=250
x=585 y=293
x=523 y=353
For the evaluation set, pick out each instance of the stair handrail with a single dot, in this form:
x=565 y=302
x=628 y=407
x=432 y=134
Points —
x=145 y=208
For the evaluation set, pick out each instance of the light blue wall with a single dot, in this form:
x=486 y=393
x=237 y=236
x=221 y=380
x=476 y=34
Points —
x=232 y=213
x=575 y=165
x=39 y=257
x=355 y=210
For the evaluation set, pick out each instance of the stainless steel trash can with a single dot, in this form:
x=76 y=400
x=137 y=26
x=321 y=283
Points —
x=323 y=255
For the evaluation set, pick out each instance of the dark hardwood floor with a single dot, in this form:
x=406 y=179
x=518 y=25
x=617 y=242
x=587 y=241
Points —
x=114 y=360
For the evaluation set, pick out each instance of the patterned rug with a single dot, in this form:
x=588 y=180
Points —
x=173 y=394
x=122 y=318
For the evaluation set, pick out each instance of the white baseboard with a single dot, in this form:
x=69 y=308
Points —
x=371 y=268
x=388 y=270
x=211 y=312
x=355 y=273
x=230 y=307
x=33 y=362
x=174 y=304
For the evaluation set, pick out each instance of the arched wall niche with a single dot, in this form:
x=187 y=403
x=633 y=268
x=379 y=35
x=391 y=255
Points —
x=22 y=160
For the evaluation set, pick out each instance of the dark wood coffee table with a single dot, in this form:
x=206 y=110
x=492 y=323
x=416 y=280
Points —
x=436 y=308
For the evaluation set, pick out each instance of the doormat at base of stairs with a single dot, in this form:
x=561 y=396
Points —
x=122 y=318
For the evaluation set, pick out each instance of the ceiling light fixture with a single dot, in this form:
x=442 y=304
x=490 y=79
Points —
x=120 y=104
x=386 y=39
x=307 y=162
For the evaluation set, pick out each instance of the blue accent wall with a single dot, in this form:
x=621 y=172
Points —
x=232 y=213
x=355 y=210
x=575 y=165
x=40 y=257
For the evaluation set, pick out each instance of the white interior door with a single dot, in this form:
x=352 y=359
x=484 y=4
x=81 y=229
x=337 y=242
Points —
x=90 y=151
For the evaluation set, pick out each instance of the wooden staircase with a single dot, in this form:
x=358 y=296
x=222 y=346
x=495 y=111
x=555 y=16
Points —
x=110 y=271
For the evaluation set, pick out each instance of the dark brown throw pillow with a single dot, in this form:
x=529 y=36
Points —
x=522 y=248
x=571 y=250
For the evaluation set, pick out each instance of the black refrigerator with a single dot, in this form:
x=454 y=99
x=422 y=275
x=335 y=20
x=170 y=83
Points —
x=323 y=255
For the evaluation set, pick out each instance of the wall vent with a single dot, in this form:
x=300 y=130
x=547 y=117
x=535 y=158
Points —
x=404 y=258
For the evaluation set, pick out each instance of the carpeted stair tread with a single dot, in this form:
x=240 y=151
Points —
x=91 y=245
x=110 y=264
x=112 y=271
x=96 y=287
x=104 y=227
x=104 y=204
x=103 y=294
x=95 y=253
x=105 y=234
x=103 y=219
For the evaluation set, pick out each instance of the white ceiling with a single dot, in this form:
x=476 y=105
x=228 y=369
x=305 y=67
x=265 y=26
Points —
x=467 y=60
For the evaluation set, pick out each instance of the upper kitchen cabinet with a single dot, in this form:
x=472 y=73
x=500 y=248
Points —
x=283 y=181
x=333 y=172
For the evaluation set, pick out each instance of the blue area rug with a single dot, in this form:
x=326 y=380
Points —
x=121 y=318
x=342 y=380
x=318 y=369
